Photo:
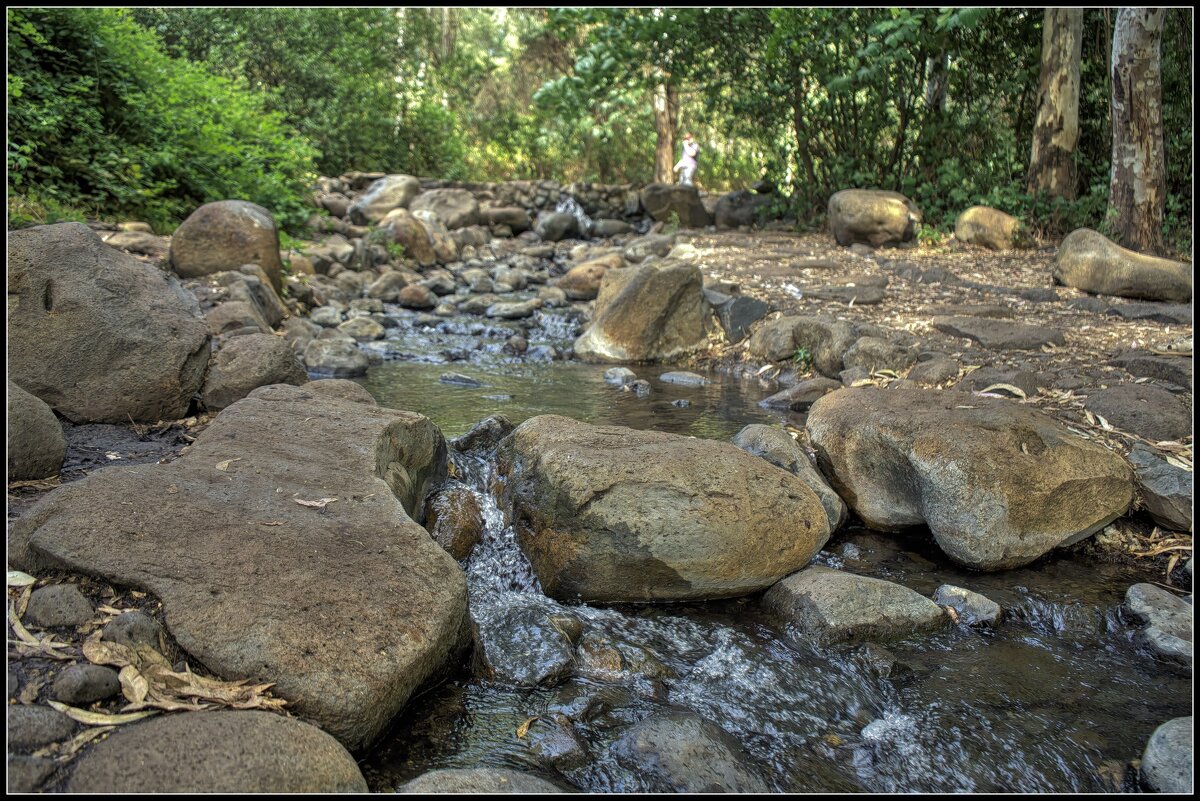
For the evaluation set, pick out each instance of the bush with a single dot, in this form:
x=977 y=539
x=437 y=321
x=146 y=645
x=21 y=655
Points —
x=100 y=117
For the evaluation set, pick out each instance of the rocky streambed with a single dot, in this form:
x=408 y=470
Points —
x=446 y=517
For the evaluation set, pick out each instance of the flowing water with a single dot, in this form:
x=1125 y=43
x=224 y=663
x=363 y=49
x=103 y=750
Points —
x=1055 y=698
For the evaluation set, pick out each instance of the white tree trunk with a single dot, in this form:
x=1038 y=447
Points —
x=1056 y=133
x=1137 y=192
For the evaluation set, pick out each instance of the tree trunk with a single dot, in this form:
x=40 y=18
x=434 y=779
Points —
x=1056 y=132
x=666 y=110
x=1137 y=192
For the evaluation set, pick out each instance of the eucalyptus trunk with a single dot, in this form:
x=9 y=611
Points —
x=1137 y=191
x=1056 y=132
x=666 y=111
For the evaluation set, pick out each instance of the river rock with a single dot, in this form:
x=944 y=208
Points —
x=363 y=329
x=997 y=483
x=455 y=208
x=244 y=364
x=525 y=645
x=31 y=726
x=217 y=752
x=662 y=201
x=514 y=311
x=388 y=193
x=555 y=226
x=484 y=436
x=774 y=340
x=239 y=596
x=683 y=378
x=147 y=244
x=416 y=296
x=250 y=284
x=455 y=519
x=1164 y=368
x=606 y=513
x=799 y=397
x=83 y=684
x=582 y=282
x=973 y=609
x=58 y=605
x=991 y=228
x=341 y=389
x=606 y=228
x=648 y=246
x=1090 y=261
x=517 y=219
x=1148 y=411
x=738 y=314
x=1168 y=759
x=409 y=232
x=36 y=444
x=326 y=316
x=826 y=606
x=619 y=376
x=98 y=335
x=1167 y=620
x=133 y=629
x=647 y=313
x=935 y=371
x=985 y=377
x=225 y=235
x=777 y=447
x=738 y=208
x=235 y=318
x=26 y=774
x=876 y=353
x=872 y=217
x=478 y=781
x=1166 y=490
x=999 y=334
x=335 y=358
x=388 y=286
x=678 y=751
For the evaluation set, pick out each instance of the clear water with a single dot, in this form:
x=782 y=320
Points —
x=1056 y=698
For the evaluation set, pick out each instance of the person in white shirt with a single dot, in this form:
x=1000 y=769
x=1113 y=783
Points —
x=687 y=165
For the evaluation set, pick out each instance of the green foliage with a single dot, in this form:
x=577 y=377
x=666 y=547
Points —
x=100 y=117
x=802 y=358
x=672 y=225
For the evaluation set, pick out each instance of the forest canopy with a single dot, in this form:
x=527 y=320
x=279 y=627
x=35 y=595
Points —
x=150 y=112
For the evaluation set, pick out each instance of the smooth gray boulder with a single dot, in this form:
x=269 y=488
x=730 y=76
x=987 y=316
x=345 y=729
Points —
x=972 y=608
x=225 y=235
x=680 y=752
x=1168 y=758
x=997 y=483
x=606 y=513
x=335 y=358
x=478 y=781
x=217 y=752
x=388 y=193
x=98 y=335
x=1142 y=409
x=1090 y=261
x=36 y=444
x=1166 y=490
x=455 y=208
x=290 y=502
x=555 y=226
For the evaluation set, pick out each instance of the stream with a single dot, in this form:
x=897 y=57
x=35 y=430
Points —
x=1056 y=698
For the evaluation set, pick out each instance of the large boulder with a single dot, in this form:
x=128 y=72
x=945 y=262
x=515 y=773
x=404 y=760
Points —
x=225 y=235
x=97 y=334
x=663 y=200
x=998 y=484
x=555 y=226
x=456 y=208
x=1090 y=261
x=872 y=217
x=647 y=313
x=777 y=447
x=36 y=445
x=738 y=208
x=611 y=514
x=217 y=752
x=582 y=282
x=245 y=363
x=388 y=193
x=991 y=228
x=410 y=233
x=826 y=341
x=824 y=606
x=283 y=549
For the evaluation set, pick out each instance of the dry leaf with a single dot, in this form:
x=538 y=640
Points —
x=18 y=579
x=99 y=718
x=523 y=729
x=64 y=752
x=270 y=522
x=1179 y=463
x=321 y=504
x=224 y=466
x=133 y=684
x=1009 y=388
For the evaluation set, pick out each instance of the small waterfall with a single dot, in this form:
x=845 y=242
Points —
x=569 y=205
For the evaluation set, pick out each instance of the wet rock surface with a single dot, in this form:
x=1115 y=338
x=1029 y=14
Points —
x=478 y=780
x=1169 y=757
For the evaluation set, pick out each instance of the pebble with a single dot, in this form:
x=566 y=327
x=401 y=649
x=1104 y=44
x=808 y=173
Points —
x=58 y=605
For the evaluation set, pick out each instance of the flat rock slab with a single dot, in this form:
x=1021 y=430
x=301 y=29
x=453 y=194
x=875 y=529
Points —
x=606 y=513
x=822 y=605
x=680 y=752
x=853 y=295
x=998 y=484
x=1148 y=411
x=478 y=781
x=999 y=335
x=217 y=752
x=799 y=397
x=1175 y=369
x=1169 y=313
x=347 y=608
x=1165 y=488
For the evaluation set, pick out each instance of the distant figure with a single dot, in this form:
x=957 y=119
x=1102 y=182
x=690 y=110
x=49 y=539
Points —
x=687 y=165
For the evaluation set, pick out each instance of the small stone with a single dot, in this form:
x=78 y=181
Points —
x=640 y=387
x=58 y=605
x=684 y=378
x=133 y=629
x=1167 y=761
x=1168 y=621
x=30 y=727
x=619 y=376
x=682 y=403
x=973 y=609
x=480 y=781
x=79 y=685
x=459 y=379
x=27 y=773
